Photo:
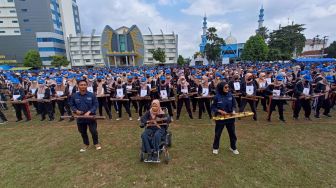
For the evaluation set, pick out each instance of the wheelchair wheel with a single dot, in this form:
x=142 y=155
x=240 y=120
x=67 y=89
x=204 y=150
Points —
x=166 y=155
x=169 y=139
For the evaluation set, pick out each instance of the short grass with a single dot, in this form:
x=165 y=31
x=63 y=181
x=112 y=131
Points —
x=293 y=154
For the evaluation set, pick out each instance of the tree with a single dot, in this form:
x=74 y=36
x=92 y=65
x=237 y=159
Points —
x=213 y=47
x=274 y=55
x=180 y=60
x=263 y=32
x=197 y=54
x=59 y=61
x=255 y=49
x=331 y=50
x=159 y=55
x=289 y=40
x=32 y=59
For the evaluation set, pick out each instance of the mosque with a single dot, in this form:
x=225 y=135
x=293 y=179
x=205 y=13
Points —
x=232 y=50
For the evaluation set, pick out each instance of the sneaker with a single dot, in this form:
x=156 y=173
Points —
x=156 y=157
x=236 y=152
x=327 y=115
x=316 y=116
x=295 y=118
x=84 y=148
x=215 y=151
x=149 y=158
x=139 y=119
x=130 y=119
x=98 y=147
x=308 y=119
x=283 y=120
x=118 y=119
x=171 y=119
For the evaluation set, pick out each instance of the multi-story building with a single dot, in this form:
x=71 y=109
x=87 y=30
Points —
x=167 y=42
x=32 y=25
x=121 y=47
x=85 y=50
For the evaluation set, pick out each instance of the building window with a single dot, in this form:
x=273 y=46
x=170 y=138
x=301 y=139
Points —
x=149 y=42
x=86 y=51
x=122 y=43
x=85 y=43
x=28 y=30
x=150 y=59
x=2 y=31
x=25 y=20
x=96 y=52
x=14 y=21
x=171 y=41
x=12 y=11
x=1 y=21
x=16 y=31
x=95 y=43
x=87 y=60
x=24 y=10
x=76 y=60
x=52 y=49
x=171 y=59
x=73 y=43
x=10 y=1
x=46 y=58
x=50 y=40
x=97 y=60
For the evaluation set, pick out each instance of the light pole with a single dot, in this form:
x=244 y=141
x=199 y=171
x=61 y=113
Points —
x=325 y=38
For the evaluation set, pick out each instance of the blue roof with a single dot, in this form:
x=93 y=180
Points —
x=315 y=60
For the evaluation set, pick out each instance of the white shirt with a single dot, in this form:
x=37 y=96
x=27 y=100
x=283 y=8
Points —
x=249 y=90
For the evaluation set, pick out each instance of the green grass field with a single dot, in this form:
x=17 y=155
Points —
x=292 y=154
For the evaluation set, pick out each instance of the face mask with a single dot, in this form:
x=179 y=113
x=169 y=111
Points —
x=99 y=80
x=306 y=81
x=162 y=82
x=250 y=79
x=119 y=82
x=183 y=82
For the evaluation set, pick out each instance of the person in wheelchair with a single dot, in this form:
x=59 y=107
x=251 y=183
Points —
x=155 y=121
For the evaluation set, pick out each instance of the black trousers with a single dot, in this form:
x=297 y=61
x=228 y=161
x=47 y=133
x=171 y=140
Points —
x=180 y=102
x=34 y=103
x=169 y=107
x=263 y=101
x=231 y=129
x=62 y=107
x=126 y=105
x=279 y=104
x=82 y=128
x=252 y=104
x=202 y=105
x=144 y=106
x=194 y=103
x=322 y=103
x=133 y=102
x=19 y=108
x=46 y=108
x=302 y=103
x=2 y=116
x=102 y=102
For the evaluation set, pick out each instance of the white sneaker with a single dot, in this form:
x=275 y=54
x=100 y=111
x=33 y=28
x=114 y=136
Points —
x=236 y=152
x=139 y=119
x=215 y=151
x=83 y=149
x=130 y=119
x=118 y=119
x=171 y=119
x=98 y=147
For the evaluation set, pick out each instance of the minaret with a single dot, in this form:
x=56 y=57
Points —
x=204 y=39
x=261 y=17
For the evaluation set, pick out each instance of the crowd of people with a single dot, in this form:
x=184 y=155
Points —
x=310 y=87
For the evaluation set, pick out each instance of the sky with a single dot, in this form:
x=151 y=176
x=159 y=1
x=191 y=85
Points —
x=185 y=17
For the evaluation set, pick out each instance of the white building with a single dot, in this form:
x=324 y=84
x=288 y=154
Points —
x=85 y=50
x=9 y=23
x=314 y=48
x=167 y=42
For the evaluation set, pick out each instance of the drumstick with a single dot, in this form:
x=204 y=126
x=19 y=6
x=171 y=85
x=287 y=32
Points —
x=84 y=117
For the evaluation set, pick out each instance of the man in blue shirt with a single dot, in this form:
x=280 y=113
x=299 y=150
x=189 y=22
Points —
x=84 y=103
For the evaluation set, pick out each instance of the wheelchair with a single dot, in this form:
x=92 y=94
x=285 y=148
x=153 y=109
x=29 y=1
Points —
x=166 y=142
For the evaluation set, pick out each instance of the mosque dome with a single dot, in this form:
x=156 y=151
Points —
x=231 y=40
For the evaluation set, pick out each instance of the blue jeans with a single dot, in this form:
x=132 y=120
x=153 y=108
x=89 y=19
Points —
x=151 y=139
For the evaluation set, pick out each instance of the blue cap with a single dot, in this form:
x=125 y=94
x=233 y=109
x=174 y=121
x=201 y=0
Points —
x=15 y=81
x=162 y=78
x=143 y=79
x=280 y=77
x=129 y=77
x=59 y=80
x=199 y=77
x=308 y=77
x=41 y=81
x=330 y=78
x=100 y=77
x=78 y=78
